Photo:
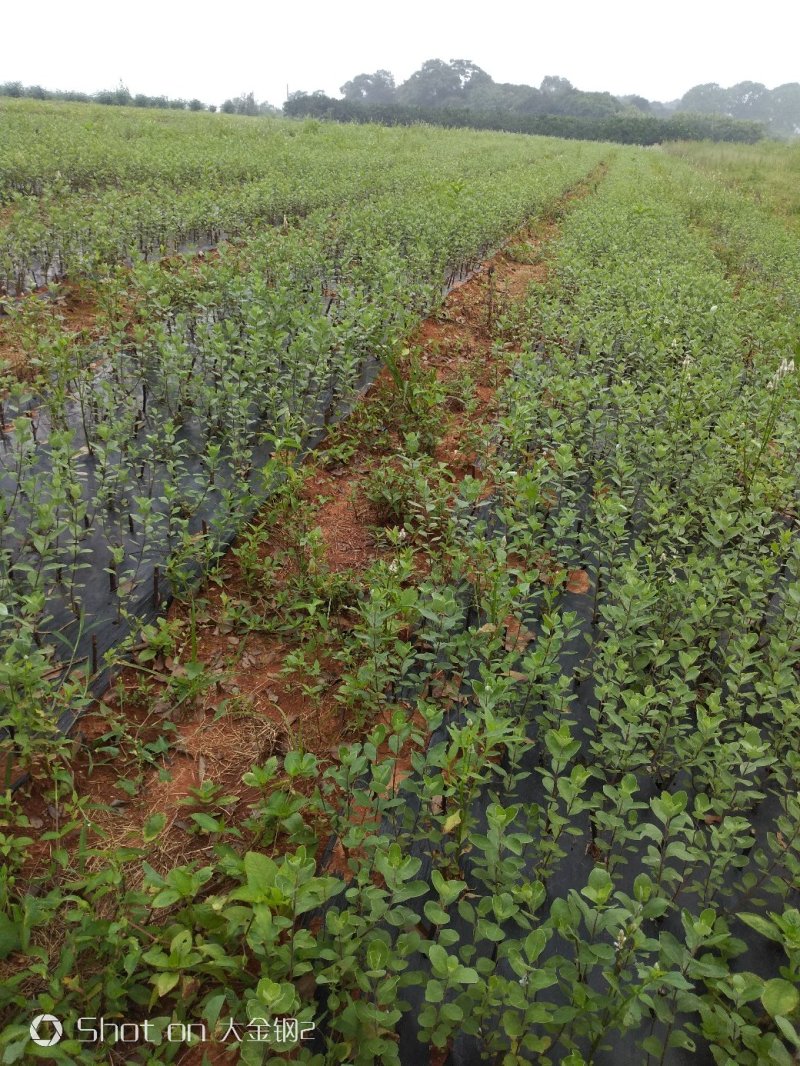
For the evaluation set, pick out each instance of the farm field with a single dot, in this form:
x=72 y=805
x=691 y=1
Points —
x=767 y=172
x=399 y=596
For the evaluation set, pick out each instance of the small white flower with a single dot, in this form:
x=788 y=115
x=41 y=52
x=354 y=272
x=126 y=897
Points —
x=786 y=367
x=393 y=566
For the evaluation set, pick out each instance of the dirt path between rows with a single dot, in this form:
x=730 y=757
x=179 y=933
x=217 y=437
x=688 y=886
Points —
x=270 y=705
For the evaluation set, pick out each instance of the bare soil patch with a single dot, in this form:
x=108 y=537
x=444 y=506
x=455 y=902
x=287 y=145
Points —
x=259 y=704
x=272 y=712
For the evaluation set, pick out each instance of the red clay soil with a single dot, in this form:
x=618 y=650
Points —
x=74 y=314
x=345 y=518
x=267 y=711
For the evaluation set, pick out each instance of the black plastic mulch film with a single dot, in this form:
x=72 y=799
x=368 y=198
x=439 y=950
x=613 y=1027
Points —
x=84 y=637
x=571 y=872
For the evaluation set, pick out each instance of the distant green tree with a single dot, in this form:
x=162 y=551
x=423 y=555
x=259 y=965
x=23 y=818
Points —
x=119 y=97
x=470 y=75
x=786 y=109
x=435 y=84
x=554 y=85
x=749 y=99
x=626 y=128
x=708 y=99
x=639 y=102
x=778 y=109
x=246 y=104
x=524 y=99
x=377 y=88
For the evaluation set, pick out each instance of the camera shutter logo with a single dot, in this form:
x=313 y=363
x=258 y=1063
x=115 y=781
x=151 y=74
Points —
x=42 y=1039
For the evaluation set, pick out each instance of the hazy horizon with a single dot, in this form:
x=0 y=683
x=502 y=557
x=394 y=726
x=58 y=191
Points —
x=186 y=50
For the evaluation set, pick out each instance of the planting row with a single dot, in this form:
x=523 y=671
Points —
x=626 y=879
x=572 y=833
x=165 y=183
x=139 y=454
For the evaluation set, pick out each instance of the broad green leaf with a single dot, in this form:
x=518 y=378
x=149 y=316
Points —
x=260 y=871
x=165 y=982
x=438 y=957
x=762 y=925
x=154 y=826
x=9 y=936
x=780 y=997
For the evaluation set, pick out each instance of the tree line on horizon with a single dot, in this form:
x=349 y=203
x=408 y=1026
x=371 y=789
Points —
x=628 y=128
x=244 y=104
x=461 y=84
x=459 y=90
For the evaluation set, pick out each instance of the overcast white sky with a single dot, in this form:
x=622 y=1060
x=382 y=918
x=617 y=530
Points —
x=214 y=50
